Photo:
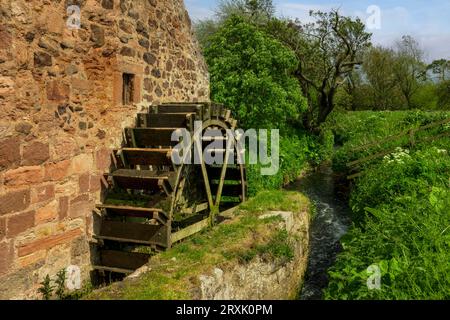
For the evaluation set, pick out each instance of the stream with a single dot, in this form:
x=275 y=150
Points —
x=330 y=223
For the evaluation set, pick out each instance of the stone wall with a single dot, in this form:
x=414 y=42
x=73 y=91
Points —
x=261 y=279
x=62 y=112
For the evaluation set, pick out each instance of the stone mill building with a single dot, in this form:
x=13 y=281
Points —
x=70 y=81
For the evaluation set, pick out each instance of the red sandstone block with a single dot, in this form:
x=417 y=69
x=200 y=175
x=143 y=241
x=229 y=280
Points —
x=43 y=193
x=57 y=91
x=19 y=223
x=6 y=257
x=80 y=85
x=57 y=171
x=35 y=154
x=83 y=183
x=63 y=211
x=48 y=242
x=64 y=147
x=80 y=198
x=89 y=225
x=103 y=159
x=9 y=152
x=96 y=183
x=24 y=176
x=47 y=213
x=82 y=163
x=14 y=201
x=5 y=37
x=2 y=228
x=80 y=206
x=31 y=258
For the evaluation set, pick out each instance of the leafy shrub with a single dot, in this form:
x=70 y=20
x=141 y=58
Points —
x=297 y=150
x=252 y=73
x=443 y=93
x=425 y=98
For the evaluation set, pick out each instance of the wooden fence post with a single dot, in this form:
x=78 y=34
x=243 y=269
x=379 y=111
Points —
x=412 y=140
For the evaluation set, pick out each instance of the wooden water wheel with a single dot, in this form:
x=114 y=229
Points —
x=152 y=202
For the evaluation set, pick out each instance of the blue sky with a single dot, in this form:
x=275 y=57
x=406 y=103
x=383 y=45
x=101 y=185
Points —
x=427 y=20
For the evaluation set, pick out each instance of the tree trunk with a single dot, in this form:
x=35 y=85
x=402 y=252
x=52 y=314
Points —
x=408 y=101
x=325 y=107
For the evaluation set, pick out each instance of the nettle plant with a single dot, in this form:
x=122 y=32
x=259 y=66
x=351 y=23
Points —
x=47 y=289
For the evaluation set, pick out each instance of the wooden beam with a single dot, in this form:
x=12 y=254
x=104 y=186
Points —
x=134 y=233
x=356 y=175
x=196 y=209
x=111 y=269
x=189 y=231
x=371 y=157
x=123 y=259
x=434 y=124
x=400 y=135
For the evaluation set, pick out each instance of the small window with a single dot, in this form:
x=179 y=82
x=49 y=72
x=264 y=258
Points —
x=128 y=88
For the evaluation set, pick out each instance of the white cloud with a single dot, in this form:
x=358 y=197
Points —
x=437 y=46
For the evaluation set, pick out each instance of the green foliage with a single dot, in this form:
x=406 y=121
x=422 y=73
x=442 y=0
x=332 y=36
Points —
x=297 y=151
x=398 y=79
x=440 y=68
x=426 y=97
x=443 y=95
x=383 y=90
x=409 y=68
x=279 y=249
x=332 y=43
x=79 y=294
x=204 y=30
x=400 y=213
x=46 y=288
x=60 y=284
x=405 y=231
x=254 y=11
x=354 y=129
x=273 y=201
x=251 y=73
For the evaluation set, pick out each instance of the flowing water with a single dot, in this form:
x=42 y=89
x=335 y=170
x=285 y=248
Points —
x=330 y=223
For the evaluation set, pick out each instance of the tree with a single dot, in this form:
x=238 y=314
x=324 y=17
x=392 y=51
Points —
x=440 y=68
x=204 y=29
x=252 y=73
x=443 y=93
x=257 y=12
x=378 y=69
x=409 y=68
x=328 y=51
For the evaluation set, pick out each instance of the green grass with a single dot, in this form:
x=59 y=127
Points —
x=174 y=273
x=401 y=216
x=354 y=129
x=298 y=151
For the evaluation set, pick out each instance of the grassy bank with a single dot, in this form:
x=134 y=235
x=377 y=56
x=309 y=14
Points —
x=400 y=211
x=175 y=272
x=353 y=129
